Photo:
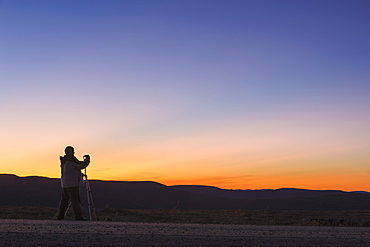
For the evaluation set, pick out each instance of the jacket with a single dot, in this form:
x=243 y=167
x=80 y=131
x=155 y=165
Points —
x=71 y=171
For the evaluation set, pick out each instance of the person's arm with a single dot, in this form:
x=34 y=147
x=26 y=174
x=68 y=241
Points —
x=83 y=164
x=80 y=164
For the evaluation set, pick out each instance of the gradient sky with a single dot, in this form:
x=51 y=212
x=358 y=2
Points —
x=237 y=94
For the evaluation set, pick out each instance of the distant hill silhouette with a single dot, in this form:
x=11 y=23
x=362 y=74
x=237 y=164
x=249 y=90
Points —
x=41 y=191
x=255 y=194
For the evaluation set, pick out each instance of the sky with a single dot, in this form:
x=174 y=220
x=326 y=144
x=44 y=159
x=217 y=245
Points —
x=240 y=94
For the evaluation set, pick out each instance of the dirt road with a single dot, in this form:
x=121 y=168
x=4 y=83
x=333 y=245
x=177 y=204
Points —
x=77 y=233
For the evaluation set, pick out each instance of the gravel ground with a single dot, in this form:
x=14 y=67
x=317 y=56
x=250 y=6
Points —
x=85 y=233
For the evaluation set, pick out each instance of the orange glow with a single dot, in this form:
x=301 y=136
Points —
x=236 y=162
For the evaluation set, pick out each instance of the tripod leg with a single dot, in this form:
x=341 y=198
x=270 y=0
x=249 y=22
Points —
x=92 y=211
x=69 y=206
x=88 y=192
x=92 y=205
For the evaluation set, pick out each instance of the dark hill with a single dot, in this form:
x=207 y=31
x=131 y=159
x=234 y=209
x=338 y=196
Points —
x=41 y=191
x=151 y=195
x=255 y=194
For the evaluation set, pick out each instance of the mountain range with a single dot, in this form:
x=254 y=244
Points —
x=45 y=192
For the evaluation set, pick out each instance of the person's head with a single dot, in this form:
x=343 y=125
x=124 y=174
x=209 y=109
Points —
x=69 y=150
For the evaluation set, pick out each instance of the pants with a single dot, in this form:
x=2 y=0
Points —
x=70 y=195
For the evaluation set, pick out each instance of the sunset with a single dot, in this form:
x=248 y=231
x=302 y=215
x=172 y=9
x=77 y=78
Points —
x=234 y=94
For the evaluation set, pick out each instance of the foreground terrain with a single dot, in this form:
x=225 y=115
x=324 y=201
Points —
x=351 y=218
x=22 y=232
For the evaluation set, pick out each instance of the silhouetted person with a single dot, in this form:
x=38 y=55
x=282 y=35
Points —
x=70 y=181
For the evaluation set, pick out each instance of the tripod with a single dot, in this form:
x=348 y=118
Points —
x=90 y=202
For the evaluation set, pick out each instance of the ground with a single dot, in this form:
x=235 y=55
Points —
x=21 y=232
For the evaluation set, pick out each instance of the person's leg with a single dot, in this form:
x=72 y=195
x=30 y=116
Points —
x=63 y=205
x=74 y=194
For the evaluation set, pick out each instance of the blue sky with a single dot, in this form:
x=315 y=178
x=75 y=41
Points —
x=191 y=86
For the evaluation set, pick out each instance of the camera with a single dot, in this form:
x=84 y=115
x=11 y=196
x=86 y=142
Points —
x=86 y=157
